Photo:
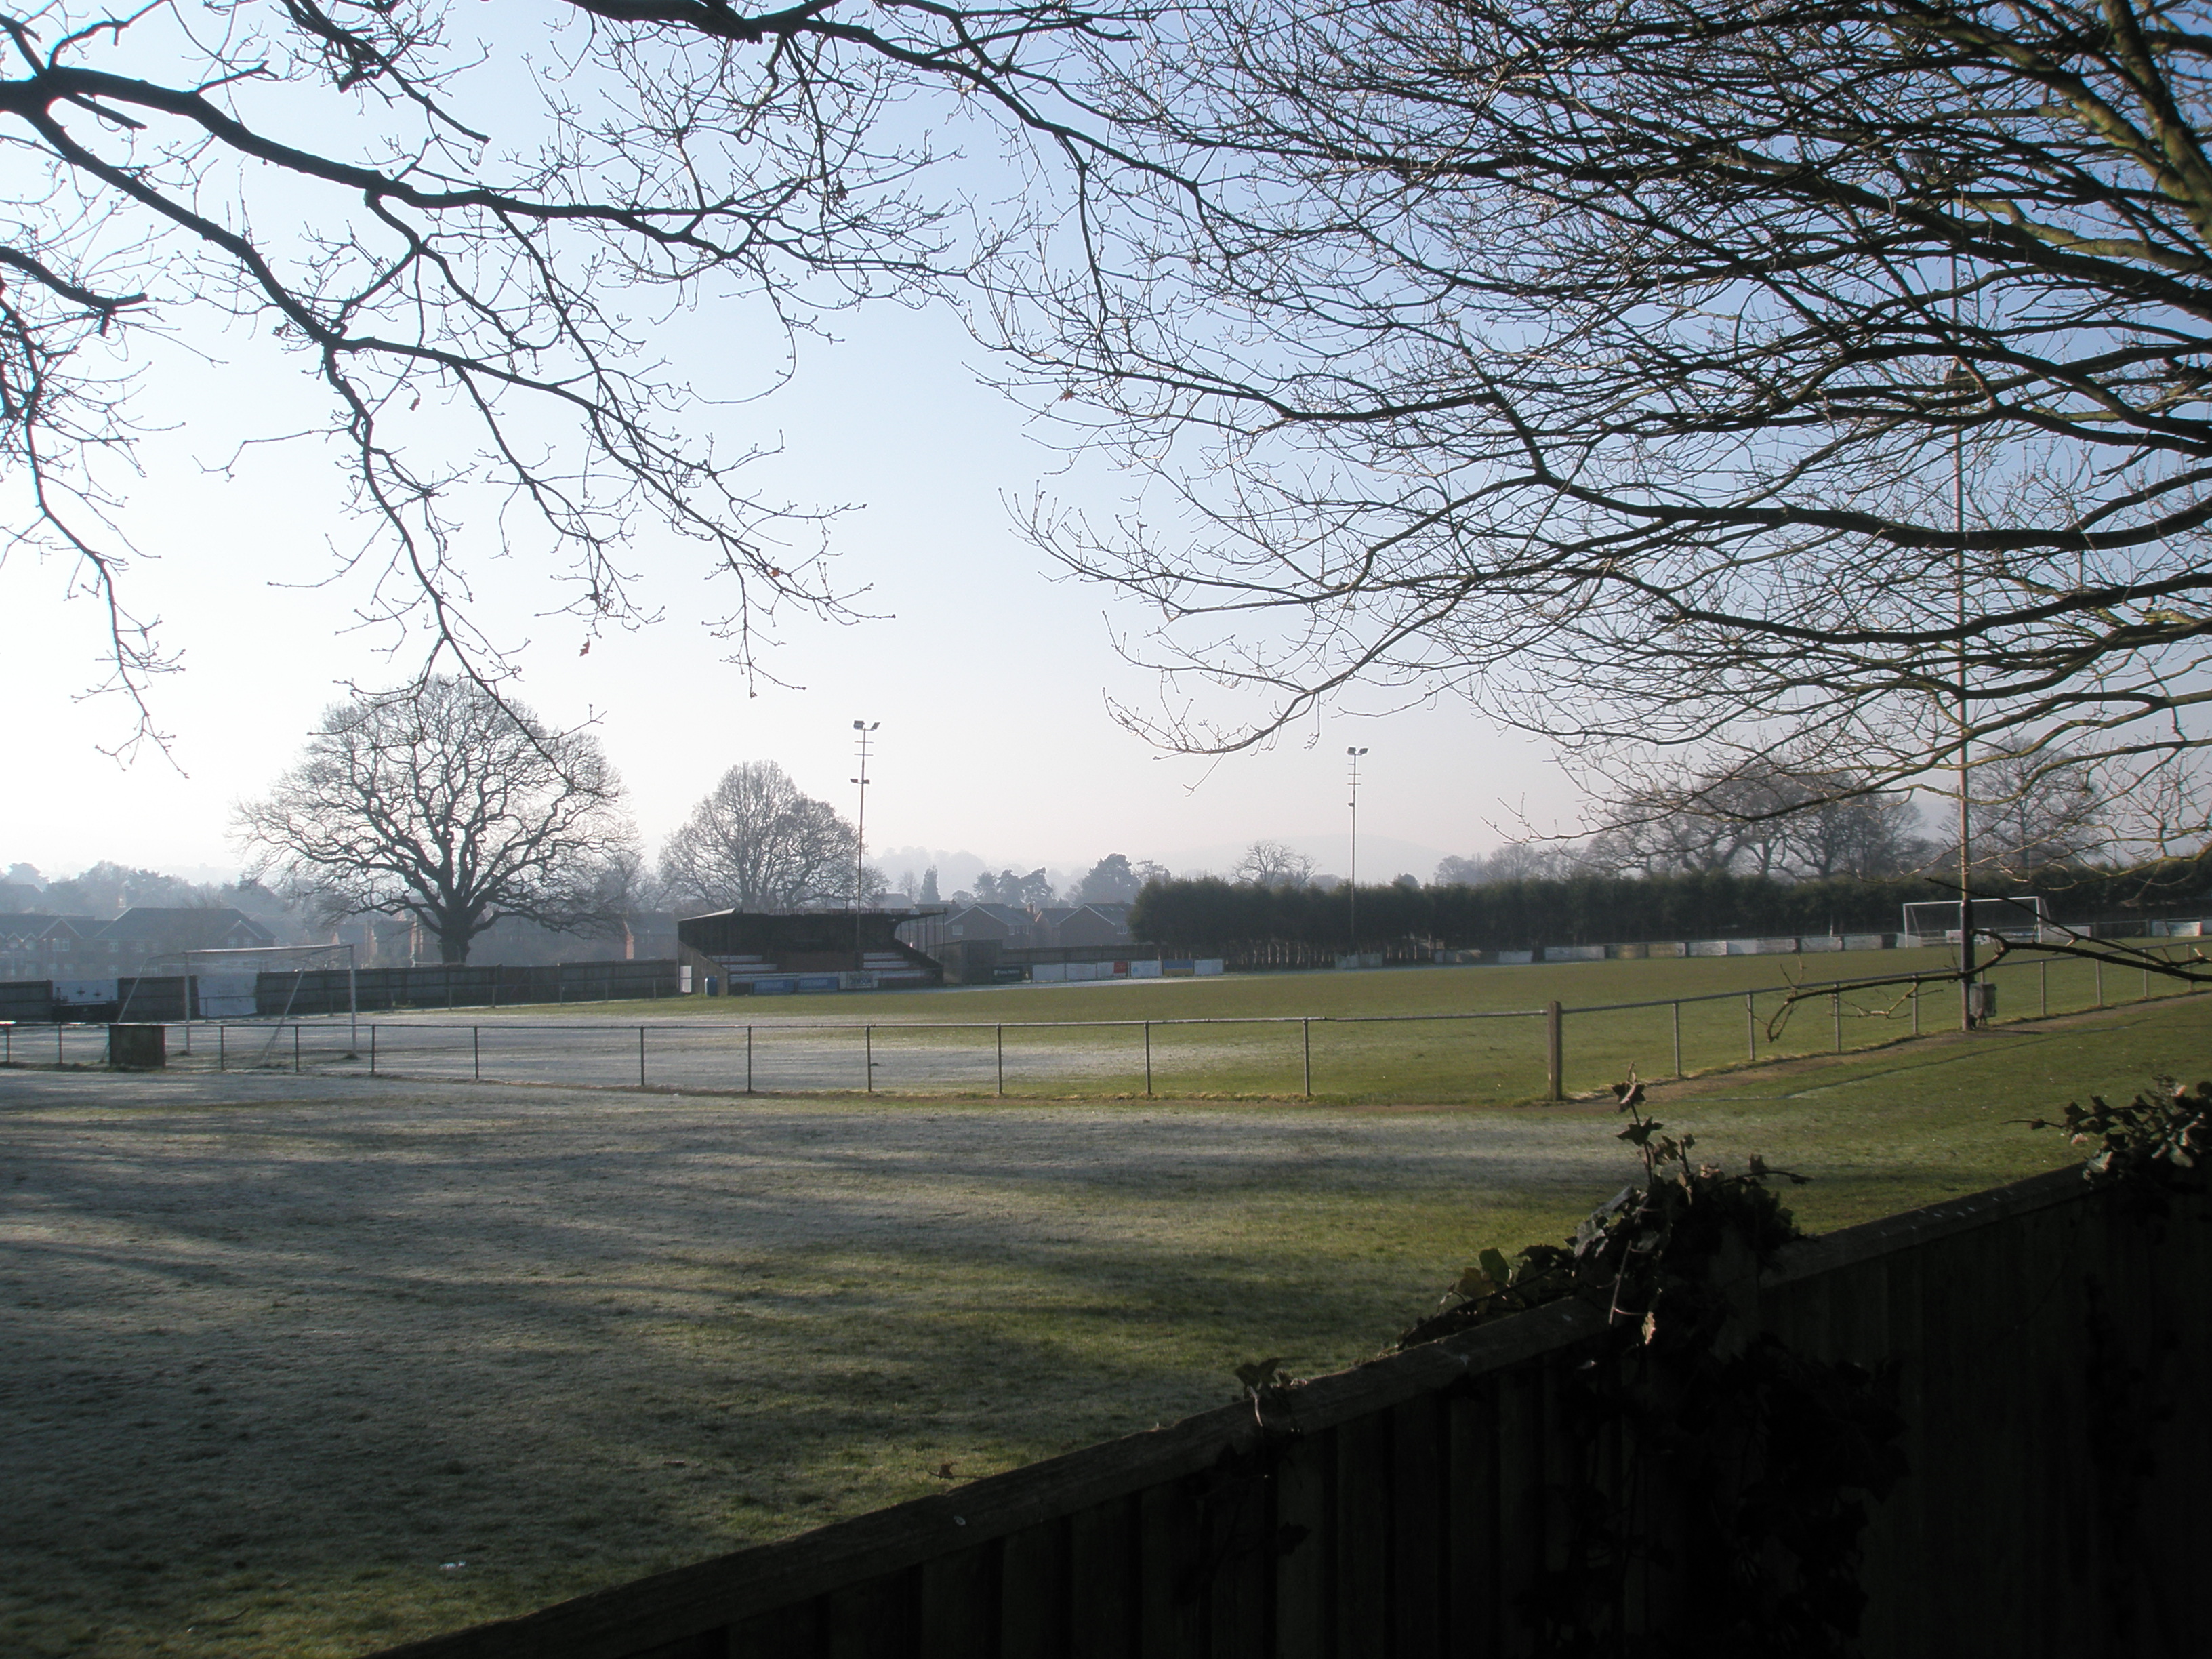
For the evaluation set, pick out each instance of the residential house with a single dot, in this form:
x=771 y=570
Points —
x=151 y=936
x=1009 y=924
x=1094 y=924
x=1044 y=922
x=37 y=945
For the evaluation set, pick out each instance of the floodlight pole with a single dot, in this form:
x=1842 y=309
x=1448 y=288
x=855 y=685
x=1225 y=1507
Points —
x=1351 y=883
x=867 y=729
x=1964 y=377
x=1966 y=1009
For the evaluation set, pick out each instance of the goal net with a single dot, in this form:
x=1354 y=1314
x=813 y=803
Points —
x=1936 y=921
x=227 y=983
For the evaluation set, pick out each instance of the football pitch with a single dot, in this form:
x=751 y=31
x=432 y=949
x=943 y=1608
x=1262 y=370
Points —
x=1475 y=1035
x=315 y=1365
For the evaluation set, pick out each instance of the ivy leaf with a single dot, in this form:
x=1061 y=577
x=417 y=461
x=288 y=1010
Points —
x=1261 y=1373
x=1473 y=1284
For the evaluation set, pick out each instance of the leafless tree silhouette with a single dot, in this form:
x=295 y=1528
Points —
x=465 y=245
x=758 y=842
x=1827 y=377
x=449 y=804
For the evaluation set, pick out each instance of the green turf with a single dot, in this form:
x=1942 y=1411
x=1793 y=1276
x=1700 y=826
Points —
x=774 y=1387
x=1922 y=1122
x=1348 y=1034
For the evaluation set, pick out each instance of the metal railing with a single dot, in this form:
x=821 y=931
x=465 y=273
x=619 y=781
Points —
x=1348 y=1055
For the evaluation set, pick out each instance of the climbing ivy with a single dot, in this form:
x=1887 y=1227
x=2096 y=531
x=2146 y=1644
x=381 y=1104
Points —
x=2154 y=1145
x=1743 y=1493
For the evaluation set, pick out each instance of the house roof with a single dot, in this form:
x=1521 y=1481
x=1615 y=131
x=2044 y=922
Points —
x=191 y=928
x=1013 y=915
x=41 y=924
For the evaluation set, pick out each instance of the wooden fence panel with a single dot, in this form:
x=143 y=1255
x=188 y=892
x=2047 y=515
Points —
x=1417 y=1528
x=1362 y=1537
x=1304 y=1609
x=1409 y=1507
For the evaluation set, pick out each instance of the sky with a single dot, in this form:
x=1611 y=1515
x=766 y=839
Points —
x=990 y=679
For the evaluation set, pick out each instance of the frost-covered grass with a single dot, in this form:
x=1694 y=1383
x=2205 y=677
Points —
x=276 y=1351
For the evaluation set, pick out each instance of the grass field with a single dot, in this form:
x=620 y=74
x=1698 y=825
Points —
x=1470 y=1035
x=276 y=1353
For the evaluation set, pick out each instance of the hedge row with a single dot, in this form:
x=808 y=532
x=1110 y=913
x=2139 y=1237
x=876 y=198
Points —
x=1212 y=917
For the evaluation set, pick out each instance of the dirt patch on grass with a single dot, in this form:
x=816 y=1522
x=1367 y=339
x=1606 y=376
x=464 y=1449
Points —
x=314 y=1366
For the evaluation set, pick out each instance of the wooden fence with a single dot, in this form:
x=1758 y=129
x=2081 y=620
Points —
x=2043 y=1341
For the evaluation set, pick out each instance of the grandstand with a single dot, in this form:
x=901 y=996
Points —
x=763 y=953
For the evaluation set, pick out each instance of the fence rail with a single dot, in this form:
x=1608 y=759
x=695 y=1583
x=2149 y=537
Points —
x=1409 y=1507
x=1473 y=1054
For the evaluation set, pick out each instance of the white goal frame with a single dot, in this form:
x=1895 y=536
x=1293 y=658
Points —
x=190 y=961
x=2027 y=916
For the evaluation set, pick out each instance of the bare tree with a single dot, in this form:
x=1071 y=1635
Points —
x=449 y=805
x=1768 y=816
x=1727 y=379
x=1516 y=861
x=461 y=240
x=1845 y=830
x=2031 y=811
x=758 y=842
x=1273 y=864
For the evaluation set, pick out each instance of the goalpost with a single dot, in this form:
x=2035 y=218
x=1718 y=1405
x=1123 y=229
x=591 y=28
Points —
x=1936 y=921
x=234 y=994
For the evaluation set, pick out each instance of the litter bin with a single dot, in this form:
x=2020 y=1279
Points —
x=138 y=1047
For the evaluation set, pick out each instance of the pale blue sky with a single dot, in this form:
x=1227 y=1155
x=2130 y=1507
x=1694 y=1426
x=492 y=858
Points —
x=990 y=680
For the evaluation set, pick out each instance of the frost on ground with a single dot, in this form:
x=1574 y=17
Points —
x=312 y=1365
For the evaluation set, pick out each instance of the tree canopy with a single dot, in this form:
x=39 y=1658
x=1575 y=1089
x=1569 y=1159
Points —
x=449 y=805
x=758 y=842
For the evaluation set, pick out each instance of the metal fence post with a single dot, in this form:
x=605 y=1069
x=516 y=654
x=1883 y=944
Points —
x=1915 y=1007
x=1002 y=1058
x=868 y=1046
x=1678 y=1039
x=1305 y=1031
x=2100 y=981
x=1555 y=1046
x=2042 y=994
x=640 y=1056
x=295 y=1047
x=1750 y=1026
x=1836 y=1006
x=372 y=1049
x=476 y=1050
x=223 y=1031
x=2146 y=995
x=749 y=1060
x=1148 y=1059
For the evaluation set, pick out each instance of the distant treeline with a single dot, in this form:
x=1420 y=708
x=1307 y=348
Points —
x=1293 y=926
